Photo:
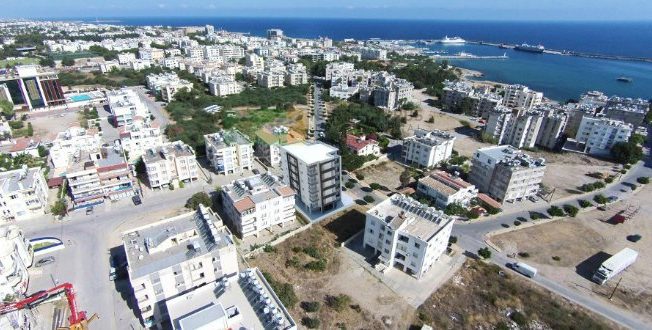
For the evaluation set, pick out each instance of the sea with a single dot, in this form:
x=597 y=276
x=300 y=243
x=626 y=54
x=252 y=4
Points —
x=558 y=77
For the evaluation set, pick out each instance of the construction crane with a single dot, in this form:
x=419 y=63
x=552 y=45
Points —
x=77 y=319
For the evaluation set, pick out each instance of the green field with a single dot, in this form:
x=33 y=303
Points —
x=24 y=60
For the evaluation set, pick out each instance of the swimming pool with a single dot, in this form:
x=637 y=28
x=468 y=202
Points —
x=80 y=98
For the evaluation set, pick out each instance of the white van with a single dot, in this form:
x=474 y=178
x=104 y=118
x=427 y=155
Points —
x=524 y=269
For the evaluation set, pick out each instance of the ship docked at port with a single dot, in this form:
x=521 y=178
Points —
x=530 y=48
x=451 y=41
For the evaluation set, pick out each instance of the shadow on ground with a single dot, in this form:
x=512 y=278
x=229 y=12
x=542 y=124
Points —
x=587 y=267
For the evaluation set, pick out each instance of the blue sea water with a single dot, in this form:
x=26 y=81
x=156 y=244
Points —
x=559 y=77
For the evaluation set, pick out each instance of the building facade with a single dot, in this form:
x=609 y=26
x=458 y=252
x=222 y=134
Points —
x=23 y=194
x=229 y=151
x=427 y=148
x=521 y=97
x=32 y=87
x=125 y=106
x=444 y=188
x=596 y=136
x=170 y=163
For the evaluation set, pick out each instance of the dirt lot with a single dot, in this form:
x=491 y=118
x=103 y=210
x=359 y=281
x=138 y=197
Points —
x=582 y=244
x=48 y=126
x=370 y=303
x=479 y=297
x=567 y=177
x=386 y=174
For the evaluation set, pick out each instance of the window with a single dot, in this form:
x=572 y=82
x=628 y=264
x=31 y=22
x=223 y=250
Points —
x=417 y=245
x=386 y=251
x=371 y=231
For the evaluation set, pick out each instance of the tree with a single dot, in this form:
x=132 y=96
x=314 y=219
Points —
x=600 y=199
x=627 y=152
x=46 y=61
x=68 y=61
x=643 y=180
x=405 y=177
x=42 y=151
x=30 y=129
x=484 y=252
x=198 y=198
x=571 y=210
x=7 y=109
x=555 y=211
x=60 y=208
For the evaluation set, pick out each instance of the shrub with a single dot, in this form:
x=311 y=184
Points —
x=59 y=208
x=465 y=123
x=349 y=185
x=535 y=215
x=472 y=215
x=519 y=318
x=517 y=223
x=556 y=258
x=555 y=211
x=312 y=251
x=181 y=184
x=623 y=171
x=368 y=199
x=584 y=203
x=310 y=322
x=284 y=291
x=316 y=265
x=492 y=210
x=269 y=249
x=609 y=179
x=339 y=302
x=16 y=124
x=600 y=199
x=627 y=166
x=292 y=262
x=484 y=252
x=455 y=209
x=452 y=239
x=375 y=186
x=310 y=306
x=643 y=180
x=296 y=249
x=196 y=199
x=571 y=210
x=431 y=120
x=523 y=254
x=359 y=176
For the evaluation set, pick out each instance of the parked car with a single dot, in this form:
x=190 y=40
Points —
x=44 y=261
x=89 y=210
x=255 y=171
x=136 y=199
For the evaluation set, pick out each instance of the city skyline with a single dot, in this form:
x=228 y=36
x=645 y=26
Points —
x=507 y=10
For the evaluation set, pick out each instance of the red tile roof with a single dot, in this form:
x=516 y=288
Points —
x=489 y=201
x=357 y=143
x=23 y=143
x=285 y=191
x=244 y=204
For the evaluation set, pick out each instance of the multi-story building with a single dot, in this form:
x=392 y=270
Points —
x=339 y=71
x=23 y=194
x=521 y=97
x=71 y=141
x=296 y=75
x=505 y=173
x=552 y=126
x=16 y=255
x=223 y=86
x=368 y=53
x=427 y=148
x=480 y=101
x=498 y=122
x=271 y=78
x=596 y=136
x=137 y=137
x=274 y=34
x=229 y=151
x=151 y=54
x=126 y=58
x=313 y=170
x=254 y=61
x=174 y=256
x=407 y=235
x=523 y=130
x=170 y=163
x=167 y=84
x=95 y=176
x=32 y=87
x=444 y=188
x=362 y=146
x=125 y=106
x=267 y=146
x=628 y=110
x=257 y=203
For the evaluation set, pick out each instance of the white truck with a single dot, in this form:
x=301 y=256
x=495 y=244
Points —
x=524 y=269
x=614 y=265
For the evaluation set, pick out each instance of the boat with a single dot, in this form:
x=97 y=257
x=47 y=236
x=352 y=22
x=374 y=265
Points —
x=503 y=46
x=530 y=48
x=624 y=79
x=449 y=41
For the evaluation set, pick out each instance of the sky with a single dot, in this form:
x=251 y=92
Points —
x=529 y=10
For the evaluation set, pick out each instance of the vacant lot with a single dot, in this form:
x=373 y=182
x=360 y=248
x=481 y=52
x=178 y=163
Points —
x=482 y=296
x=47 y=127
x=348 y=296
x=580 y=244
x=386 y=174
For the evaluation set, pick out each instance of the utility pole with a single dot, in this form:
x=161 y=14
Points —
x=615 y=288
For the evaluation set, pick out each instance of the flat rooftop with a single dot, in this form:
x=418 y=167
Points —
x=227 y=138
x=162 y=152
x=513 y=157
x=248 y=192
x=155 y=247
x=404 y=213
x=17 y=180
x=312 y=152
x=239 y=302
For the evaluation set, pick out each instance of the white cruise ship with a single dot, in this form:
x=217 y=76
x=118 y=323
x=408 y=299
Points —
x=454 y=40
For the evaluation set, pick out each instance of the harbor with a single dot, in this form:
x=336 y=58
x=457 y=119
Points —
x=464 y=56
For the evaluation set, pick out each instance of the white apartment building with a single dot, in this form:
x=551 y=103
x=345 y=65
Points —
x=362 y=146
x=628 y=110
x=482 y=100
x=523 y=130
x=406 y=235
x=229 y=151
x=596 y=136
x=444 y=188
x=151 y=54
x=23 y=194
x=125 y=106
x=223 y=86
x=173 y=256
x=505 y=173
x=342 y=91
x=167 y=84
x=313 y=170
x=368 y=53
x=170 y=163
x=195 y=52
x=296 y=75
x=271 y=79
x=552 y=127
x=16 y=255
x=257 y=203
x=137 y=137
x=71 y=141
x=126 y=58
x=522 y=97
x=427 y=148
x=339 y=70
x=267 y=146
x=255 y=61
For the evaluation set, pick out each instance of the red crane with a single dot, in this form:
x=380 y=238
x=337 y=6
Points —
x=77 y=319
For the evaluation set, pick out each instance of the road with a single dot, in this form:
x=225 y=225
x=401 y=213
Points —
x=472 y=236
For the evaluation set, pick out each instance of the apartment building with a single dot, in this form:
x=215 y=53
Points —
x=267 y=146
x=296 y=75
x=362 y=146
x=498 y=122
x=444 y=188
x=32 y=87
x=137 y=137
x=368 y=53
x=223 y=86
x=628 y=110
x=23 y=194
x=505 y=173
x=73 y=141
x=342 y=91
x=167 y=84
x=229 y=151
x=481 y=101
x=151 y=54
x=339 y=70
x=93 y=177
x=125 y=106
x=170 y=163
x=542 y=126
x=427 y=148
x=521 y=97
x=172 y=257
x=523 y=130
x=406 y=235
x=126 y=58
x=257 y=203
x=16 y=255
x=313 y=170
x=271 y=79
x=552 y=127
x=596 y=136
x=255 y=61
